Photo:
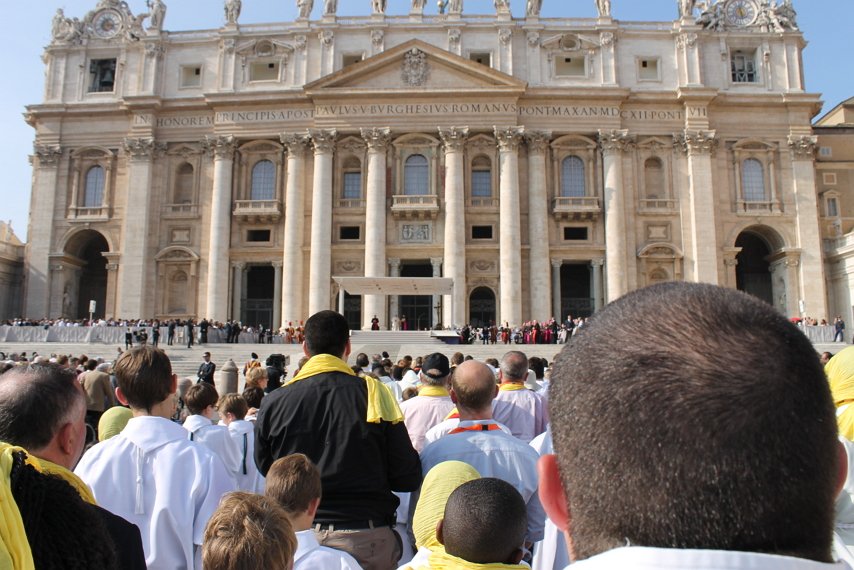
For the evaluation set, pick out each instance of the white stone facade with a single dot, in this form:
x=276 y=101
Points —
x=11 y=272
x=546 y=165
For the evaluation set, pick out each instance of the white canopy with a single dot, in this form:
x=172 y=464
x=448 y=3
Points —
x=396 y=285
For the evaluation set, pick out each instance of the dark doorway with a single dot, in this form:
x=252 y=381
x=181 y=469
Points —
x=752 y=273
x=418 y=309
x=482 y=307
x=576 y=296
x=93 y=276
x=353 y=311
x=260 y=286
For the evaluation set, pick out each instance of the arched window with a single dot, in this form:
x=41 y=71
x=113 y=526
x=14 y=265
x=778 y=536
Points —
x=93 y=197
x=416 y=179
x=753 y=181
x=481 y=177
x=183 y=191
x=352 y=189
x=263 y=181
x=572 y=183
x=653 y=176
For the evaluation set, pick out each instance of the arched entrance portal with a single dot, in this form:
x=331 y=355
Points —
x=753 y=270
x=481 y=307
x=89 y=283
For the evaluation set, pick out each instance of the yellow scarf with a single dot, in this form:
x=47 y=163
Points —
x=840 y=374
x=511 y=386
x=438 y=485
x=444 y=561
x=382 y=405
x=15 y=550
x=433 y=391
x=49 y=468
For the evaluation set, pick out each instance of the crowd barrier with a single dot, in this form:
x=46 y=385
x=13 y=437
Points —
x=111 y=335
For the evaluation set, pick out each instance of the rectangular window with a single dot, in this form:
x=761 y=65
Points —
x=570 y=66
x=102 y=75
x=832 y=208
x=744 y=67
x=481 y=57
x=648 y=69
x=481 y=232
x=349 y=232
x=264 y=71
x=191 y=76
x=258 y=236
x=829 y=178
x=351 y=59
x=575 y=233
x=352 y=186
x=825 y=151
x=481 y=184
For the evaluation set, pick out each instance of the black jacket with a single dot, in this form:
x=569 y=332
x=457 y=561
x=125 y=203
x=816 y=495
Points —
x=360 y=463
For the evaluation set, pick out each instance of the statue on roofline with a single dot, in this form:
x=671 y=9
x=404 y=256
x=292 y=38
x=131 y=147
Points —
x=604 y=7
x=330 y=7
x=533 y=7
x=232 y=11
x=157 y=14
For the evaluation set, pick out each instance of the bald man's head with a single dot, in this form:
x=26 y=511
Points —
x=473 y=385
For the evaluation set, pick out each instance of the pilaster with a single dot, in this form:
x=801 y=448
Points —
x=454 y=305
x=377 y=140
x=538 y=226
x=222 y=148
x=613 y=143
x=45 y=160
x=320 y=258
x=510 y=238
x=293 y=294
x=700 y=146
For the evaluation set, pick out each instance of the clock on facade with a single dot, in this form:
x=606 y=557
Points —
x=107 y=24
x=741 y=12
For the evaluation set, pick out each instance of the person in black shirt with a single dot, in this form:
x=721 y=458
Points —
x=207 y=369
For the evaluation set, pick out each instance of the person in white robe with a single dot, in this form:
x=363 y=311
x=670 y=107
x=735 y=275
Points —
x=233 y=409
x=201 y=400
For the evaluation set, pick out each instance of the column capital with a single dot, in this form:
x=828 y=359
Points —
x=47 y=154
x=697 y=142
x=142 y=148
x=538 y=141
x=730 y=261
x=598 y=262
x=454 y=138
x=323 y=140
x=803 y=146
x=394 y=261
x=221 y=147
x=509 y=138
x=686 y=40
x=436 y=261
x=615 y=141
x=240 y=265
x=277 y=264
x=296 y=143
x=557 y=263
x=377 y=139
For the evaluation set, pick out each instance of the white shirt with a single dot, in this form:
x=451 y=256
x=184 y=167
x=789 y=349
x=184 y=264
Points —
x=423 y=412
x=392 y=385
x=169 y=487
x=550 y=553
x=311 y=556
x=494 y=454
x=410 y=380
x=643 y=558
x=216 y=438
x=522 y=411
x=442 y=429
x=242 y=433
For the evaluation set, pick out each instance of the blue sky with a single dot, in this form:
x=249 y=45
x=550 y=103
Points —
x=828 y=60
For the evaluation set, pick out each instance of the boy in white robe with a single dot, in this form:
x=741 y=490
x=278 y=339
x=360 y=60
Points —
x=233 y=409
x=294 y=483
x=150 y=474
x=201 y=401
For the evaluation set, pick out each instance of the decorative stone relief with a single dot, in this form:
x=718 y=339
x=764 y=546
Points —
x=326 y=37
x=803 y=146
x=482 y=266
x=348 y=266
x=377 y=38
x=505 y=35
x=533 y=39
x=685 y=41
x=697 y=142
x=47 y=154
x=296 y=144
x=454 y=36
x=416 y=233
x=300 y=42
x=141 y=148
x=180 y=235
x=323 y=140
x=615 y=141
x=607 y=39
x=377 y=139
x=221 y=147
x=155 y=50
x=657 y=232
x=454 y=138
x=538 y=141
x=416 y=68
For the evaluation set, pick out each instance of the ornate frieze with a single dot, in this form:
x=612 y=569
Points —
x=416 y=68
x=697 y=142
x=538 y=141
x=803 y=146
x=615 y=141
x=377 y=139
x=482 y=266
x=47 y=154
x=454 y=138
x=323 y=140
x=296 y=143
x=509 y=138
x=416 y=233
x=221 y=147
x=348 y=266
x=142 y=148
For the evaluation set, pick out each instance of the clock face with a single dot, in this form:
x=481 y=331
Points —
x=107 y=24
x=740 y=12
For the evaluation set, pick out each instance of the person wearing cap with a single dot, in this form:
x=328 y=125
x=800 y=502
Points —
x=433 y=402
x=207 y=369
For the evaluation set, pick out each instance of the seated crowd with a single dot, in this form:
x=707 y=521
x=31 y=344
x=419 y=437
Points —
x=714 y=442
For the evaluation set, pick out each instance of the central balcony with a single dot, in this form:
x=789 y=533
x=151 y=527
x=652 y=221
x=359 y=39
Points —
x=421 y=207
x=258 y=210
x=577 y=207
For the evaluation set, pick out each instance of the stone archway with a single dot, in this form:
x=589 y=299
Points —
x=482 y=307
x=754 y=273
x=87 y=279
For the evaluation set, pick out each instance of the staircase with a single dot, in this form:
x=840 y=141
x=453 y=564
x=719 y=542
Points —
x=393 y=338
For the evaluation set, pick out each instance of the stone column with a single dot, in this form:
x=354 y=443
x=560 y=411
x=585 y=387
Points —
x=222 y=148
x=134 y=283
x=812 y=286
x=375 y=222
x=510 y=234
x=112 y=285
x=45 y=161
x=277 y=295
x=598 y=290
x=556 y=292
x=538 y=228
x=393 y=271
x=436 y=262
x=293 y=292
x=320 y=260
x=237 y=289
x=700 y=146
x=613 y=143
x=454 y=305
